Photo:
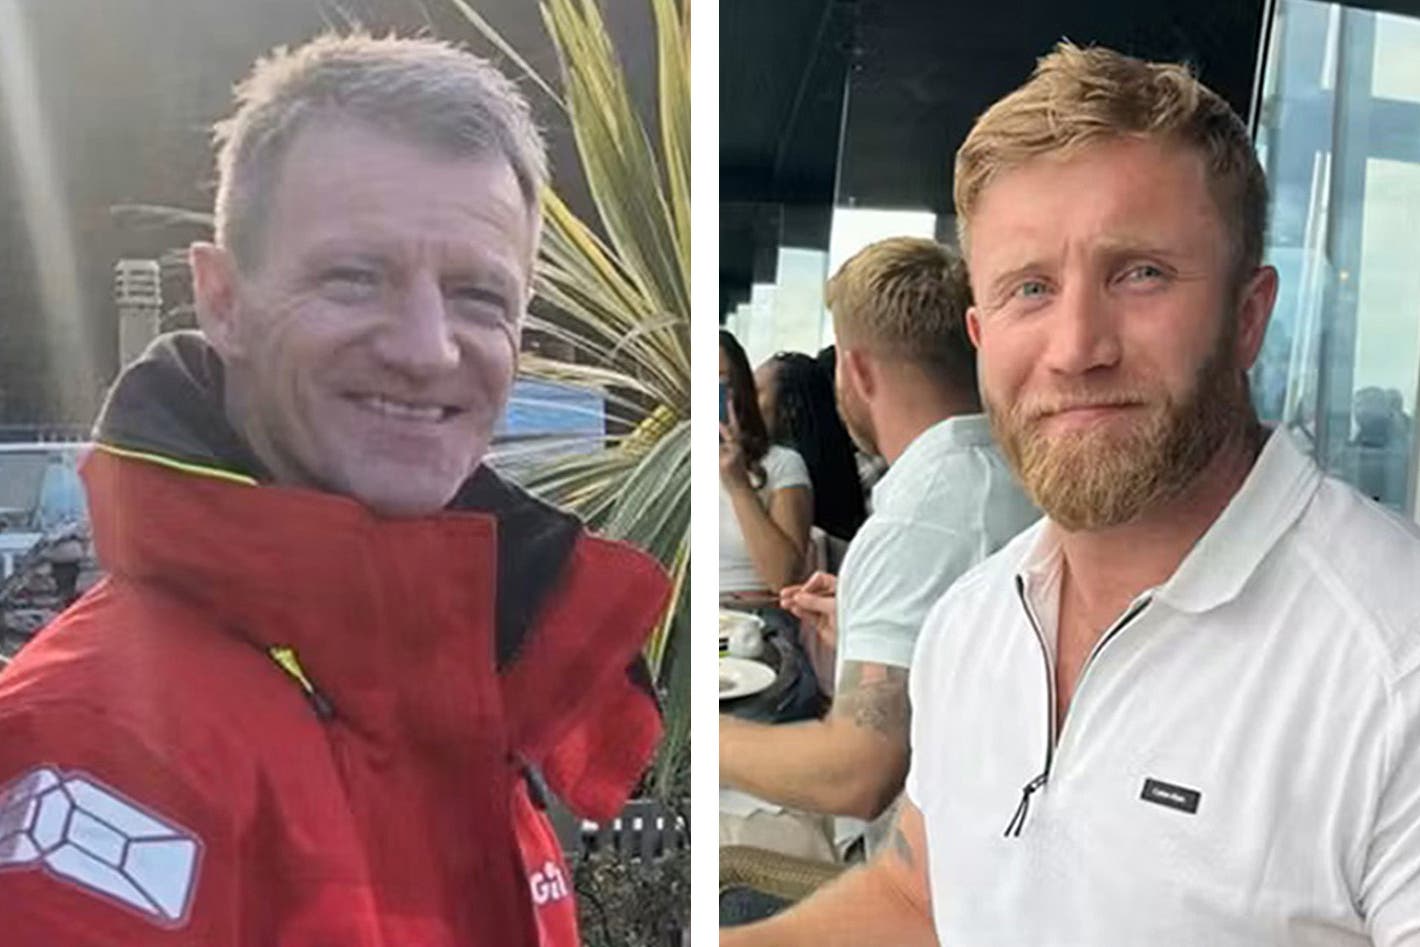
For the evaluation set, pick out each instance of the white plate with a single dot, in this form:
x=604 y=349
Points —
x=740 y=677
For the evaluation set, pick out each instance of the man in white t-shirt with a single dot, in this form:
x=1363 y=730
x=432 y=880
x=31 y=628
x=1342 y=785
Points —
x=1185 y=708
x=906 y=387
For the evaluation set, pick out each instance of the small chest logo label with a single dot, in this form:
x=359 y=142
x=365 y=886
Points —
x=1167 y=794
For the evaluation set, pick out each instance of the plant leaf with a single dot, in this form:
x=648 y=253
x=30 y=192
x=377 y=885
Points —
x=616 y=291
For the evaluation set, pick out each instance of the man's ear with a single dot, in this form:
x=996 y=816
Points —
x=862 y=371
x=973 y=326
x=1259 y=295
x=214 y=291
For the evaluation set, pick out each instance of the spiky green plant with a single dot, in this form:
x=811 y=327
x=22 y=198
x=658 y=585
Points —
x=617 y=294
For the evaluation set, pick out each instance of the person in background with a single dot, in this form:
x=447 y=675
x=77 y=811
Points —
x=796 y=400
x=1184 y=708
x=766 y=496
x=907 y=388
x=871 y=467
x=1377 y=457
x=337 y=660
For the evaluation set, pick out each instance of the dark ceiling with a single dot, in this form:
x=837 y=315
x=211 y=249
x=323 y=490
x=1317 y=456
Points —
x=917 y=72
x=783 y=67
x=922 y=78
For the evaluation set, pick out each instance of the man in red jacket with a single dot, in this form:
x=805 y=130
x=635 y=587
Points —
x=309 y=704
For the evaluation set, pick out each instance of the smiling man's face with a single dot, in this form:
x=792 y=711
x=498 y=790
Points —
x=371 y=349
x=1112 y=336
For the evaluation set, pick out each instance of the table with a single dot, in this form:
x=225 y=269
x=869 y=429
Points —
x=765 y=706
x=790 y=697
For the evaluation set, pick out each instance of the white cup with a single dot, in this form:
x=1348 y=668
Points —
x=746 y=640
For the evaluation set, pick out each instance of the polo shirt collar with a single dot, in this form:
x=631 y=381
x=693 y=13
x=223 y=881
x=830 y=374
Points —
x=926 y=449
x=1271 y=499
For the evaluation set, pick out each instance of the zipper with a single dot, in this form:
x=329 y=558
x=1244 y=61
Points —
x=1129 y=615
x=285 y=658
x=1018 y=819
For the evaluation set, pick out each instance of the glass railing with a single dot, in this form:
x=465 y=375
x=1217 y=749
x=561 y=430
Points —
x=1340 y=139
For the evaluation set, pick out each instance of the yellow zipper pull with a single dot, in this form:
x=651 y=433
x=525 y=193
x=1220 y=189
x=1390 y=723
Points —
x=285 y=658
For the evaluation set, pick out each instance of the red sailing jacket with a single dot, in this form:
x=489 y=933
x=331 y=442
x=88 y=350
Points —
x=282 y=721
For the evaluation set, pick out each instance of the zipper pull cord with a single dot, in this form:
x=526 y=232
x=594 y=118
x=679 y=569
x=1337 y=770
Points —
x=1018 y=821
x=285 y=659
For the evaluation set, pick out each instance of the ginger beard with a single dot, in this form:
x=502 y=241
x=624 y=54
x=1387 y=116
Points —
x=1109 y=474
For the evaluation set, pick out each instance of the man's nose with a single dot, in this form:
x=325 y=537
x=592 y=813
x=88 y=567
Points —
x=1084 y=331
x=417 y=338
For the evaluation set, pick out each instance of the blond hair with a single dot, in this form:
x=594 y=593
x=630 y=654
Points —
x=907 y=297
x=1077 y=97
x=420 y=90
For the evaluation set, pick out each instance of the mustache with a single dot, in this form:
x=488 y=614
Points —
x=1043 y=406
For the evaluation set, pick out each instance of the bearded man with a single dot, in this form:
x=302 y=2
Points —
x=1184 y=708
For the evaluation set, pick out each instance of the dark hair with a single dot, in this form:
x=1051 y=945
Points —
x=806 y=419
x=754 y=438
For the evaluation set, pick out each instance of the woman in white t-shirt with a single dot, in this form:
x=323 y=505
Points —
x=766 y=502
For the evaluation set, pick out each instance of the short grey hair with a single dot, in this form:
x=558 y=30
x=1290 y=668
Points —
x=425 y=91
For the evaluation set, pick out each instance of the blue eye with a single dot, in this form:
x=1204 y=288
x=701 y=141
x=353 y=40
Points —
x=1143 y=273
x=478 y=295
x=479 y=303
x=350 y=282
x=350 y=285
x=1031 y=289
x=351 y=274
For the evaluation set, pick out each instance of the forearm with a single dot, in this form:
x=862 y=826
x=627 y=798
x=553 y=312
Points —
x=777 y=558
x=866 y=907
x=826 y=766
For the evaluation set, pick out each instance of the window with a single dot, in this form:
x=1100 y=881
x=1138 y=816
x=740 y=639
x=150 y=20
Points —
x=1340 y=140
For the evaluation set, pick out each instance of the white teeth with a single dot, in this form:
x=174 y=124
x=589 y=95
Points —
x=401 y=410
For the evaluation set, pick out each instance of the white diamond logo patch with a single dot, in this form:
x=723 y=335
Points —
x=83 y=833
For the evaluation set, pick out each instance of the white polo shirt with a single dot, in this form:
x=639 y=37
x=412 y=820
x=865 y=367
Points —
x=948 y=502
x=1241 y=760
x=945 y=504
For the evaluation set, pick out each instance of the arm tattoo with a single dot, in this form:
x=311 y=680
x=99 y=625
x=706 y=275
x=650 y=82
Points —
x=874 y=696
